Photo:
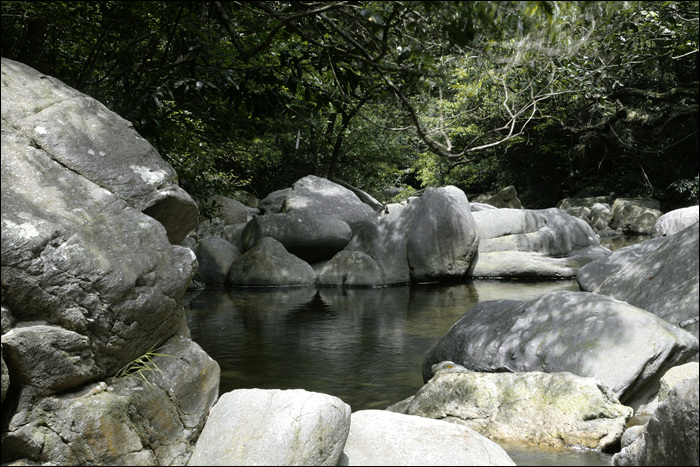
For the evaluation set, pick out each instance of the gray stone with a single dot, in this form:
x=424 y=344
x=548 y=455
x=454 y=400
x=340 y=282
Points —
x=231 y=211
x=600 y=217
x=432 y=238
x=633 y=454
x=321 y=196
x=379 y=437
x=385 y=243
x=351 y=268
x=548 y=231
x=83 y=136
x=545 y=243
x=210 y=228
x=232 y=234
x=214 y=256
x=672 y=432
x=151 y=418
x=635 y=215
x=5 y=377
x=595 y=211
x=269 y=264
x=591 y=275
x=505 y=198
x=49 y=356
x=674 y=221
x=560 y=410
x=663 y=282
x=91 y=216
x=441 y=237
x=311 y=236
x=579 y=332
x=526 y=265
x=274 y=202
x=675 y=375
x=78 y=256
x=273 y=427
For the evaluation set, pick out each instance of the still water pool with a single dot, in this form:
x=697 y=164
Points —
x=365 y=346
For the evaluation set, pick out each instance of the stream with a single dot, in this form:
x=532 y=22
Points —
x=365 y=346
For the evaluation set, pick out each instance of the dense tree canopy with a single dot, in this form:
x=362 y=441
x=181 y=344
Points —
x=556 y=98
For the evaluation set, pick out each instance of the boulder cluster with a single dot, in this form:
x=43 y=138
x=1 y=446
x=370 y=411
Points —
x=99 y=245
x=92 y=286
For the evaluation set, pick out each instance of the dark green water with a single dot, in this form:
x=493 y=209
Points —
x=365 y=346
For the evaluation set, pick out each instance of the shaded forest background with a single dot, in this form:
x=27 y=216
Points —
x=559 y=99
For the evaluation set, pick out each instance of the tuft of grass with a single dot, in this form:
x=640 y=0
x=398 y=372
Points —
x=139 y=366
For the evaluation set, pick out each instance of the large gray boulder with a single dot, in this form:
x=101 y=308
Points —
x=91 y=280
x=269 y=264
x=441 y=237
x=551 y=409
x=592 y=274
x=672 y=432
x=504 y=198
x=671 y=435
x=379 y=437
x=152 y=417
x=432 y=238
x=351 y=269
x=635 y=215
x=83 y=136
x=595 y=210
x=548 y=231
x=230 y=211
x=214 y=256
x=545 y=243
x=674 y=221
x=274 y=427
x=311 y=236
x=664 y=281
x=321 y=196
x=578 y=332
x=78 y=256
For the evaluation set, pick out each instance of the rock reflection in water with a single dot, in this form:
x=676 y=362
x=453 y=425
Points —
x=365 y=346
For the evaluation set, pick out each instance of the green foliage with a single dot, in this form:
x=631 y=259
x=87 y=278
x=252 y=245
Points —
x=139 y=367
x=552 y=97
x=688 y=190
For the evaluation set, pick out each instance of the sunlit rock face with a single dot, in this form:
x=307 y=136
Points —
x=432 y=238
x=550 y=409
x=529 y=243
x=77 y=250
x=664 y=281
x=83 y=136
x=317 y=195
x=624 y=347
x=674 y=221
x=91 y=277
